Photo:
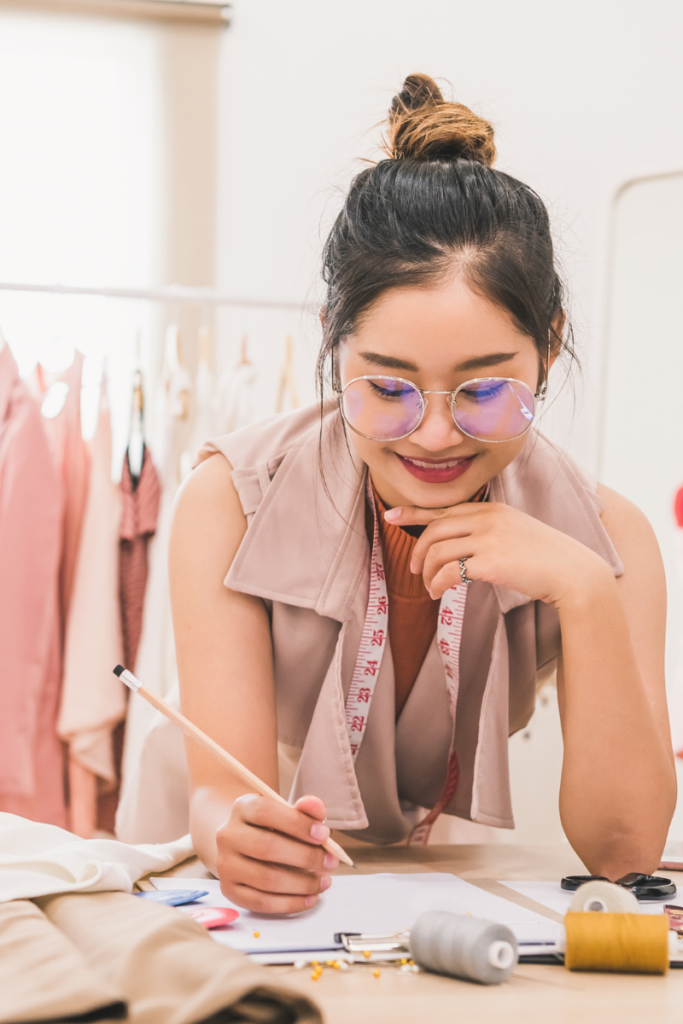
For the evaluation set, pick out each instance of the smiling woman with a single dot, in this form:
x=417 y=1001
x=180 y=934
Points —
x=364 y=593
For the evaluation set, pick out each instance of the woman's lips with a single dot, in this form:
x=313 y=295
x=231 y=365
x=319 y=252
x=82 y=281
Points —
x=436 y=471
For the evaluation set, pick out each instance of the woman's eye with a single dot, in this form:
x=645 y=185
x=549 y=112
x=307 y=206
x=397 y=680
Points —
x=484 y=394
x=392 y=392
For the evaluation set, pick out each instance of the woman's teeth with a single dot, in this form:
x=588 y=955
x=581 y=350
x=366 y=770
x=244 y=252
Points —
x=449 y=464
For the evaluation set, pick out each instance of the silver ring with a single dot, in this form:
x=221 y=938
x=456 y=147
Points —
x=463 y=572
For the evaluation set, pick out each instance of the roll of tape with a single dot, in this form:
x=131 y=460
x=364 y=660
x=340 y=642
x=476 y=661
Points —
x=463 y=947
x=628 y=943
x=603 y=897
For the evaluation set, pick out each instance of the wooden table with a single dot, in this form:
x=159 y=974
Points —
x=533 y=992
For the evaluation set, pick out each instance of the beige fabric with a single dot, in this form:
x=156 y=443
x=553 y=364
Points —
x=43 y=976
x=168 y=967
x=306 y=555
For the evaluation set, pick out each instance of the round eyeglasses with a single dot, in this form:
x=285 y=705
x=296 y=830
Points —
x=491 y=409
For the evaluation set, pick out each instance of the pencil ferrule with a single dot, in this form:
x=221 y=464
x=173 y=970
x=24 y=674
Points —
x=130 y=680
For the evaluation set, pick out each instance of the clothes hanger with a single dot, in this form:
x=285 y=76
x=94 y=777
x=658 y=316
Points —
x=136 y=437
x=287 y=380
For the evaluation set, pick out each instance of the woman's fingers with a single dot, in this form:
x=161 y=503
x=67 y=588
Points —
x=446 y=528
x=278 y=878
x=270 y=855
x=264 y=845
x=265 y=812
x=270 y=903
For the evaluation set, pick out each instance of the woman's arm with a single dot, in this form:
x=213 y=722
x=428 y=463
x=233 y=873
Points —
x=618 y=787
x=267 y=857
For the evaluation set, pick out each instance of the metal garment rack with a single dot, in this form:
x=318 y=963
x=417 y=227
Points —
x=169 y=294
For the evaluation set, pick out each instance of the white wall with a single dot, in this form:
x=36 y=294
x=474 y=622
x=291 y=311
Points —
x=583 y=95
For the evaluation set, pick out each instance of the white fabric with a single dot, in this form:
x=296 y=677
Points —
x=155 y=664
x=39 y=860
x=93 y=699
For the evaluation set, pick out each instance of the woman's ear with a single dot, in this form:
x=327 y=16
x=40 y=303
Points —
x=556 y=331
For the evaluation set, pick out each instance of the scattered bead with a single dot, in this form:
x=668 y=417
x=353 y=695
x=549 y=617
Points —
x=299 y=965
x=403 y=961
x=367 y=954
x=343 y=966
x=376 y=974
x=257 y=935
x=314 y=963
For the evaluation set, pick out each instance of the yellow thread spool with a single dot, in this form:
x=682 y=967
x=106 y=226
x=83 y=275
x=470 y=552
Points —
x=628 y=943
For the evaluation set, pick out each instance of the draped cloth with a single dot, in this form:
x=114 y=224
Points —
x=108 y=956
x=31 y=764
x=75 y=945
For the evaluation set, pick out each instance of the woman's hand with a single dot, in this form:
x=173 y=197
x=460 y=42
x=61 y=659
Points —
x=502 y=546
x=270 y=857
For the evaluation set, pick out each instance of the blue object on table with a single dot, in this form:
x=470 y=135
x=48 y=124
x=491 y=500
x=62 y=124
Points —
x=172 y=897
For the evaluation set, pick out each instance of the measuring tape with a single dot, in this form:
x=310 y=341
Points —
x=373 y=642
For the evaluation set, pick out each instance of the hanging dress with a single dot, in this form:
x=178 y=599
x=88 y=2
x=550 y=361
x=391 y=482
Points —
x=92 y=698
x=31 y=759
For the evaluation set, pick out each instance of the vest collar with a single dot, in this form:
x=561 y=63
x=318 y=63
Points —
x=306 y=544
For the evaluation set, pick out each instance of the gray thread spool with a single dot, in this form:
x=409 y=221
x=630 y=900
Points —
x=464 y=947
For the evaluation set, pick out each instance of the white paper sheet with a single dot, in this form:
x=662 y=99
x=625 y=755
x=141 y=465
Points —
x=370 y=904
x=553 y=896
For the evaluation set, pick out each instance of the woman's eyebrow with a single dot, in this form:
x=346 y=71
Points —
x=476 y=363
x=481 y=362
x=389 y=362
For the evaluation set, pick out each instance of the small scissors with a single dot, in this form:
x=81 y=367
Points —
x=643 y=887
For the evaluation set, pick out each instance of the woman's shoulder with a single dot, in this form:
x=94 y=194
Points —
x=270 y=439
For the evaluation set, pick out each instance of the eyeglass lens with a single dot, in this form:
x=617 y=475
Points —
x=387 y=408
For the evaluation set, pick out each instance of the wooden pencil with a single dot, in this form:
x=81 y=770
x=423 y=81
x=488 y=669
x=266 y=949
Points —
x=211 y=747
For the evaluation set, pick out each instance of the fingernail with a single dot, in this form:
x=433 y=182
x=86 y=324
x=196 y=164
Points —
x=330 y=862
x=430 y=594
x=392 y=514
x=310 y=901
x=320 y=832
x=325 y=882
x=413 y=567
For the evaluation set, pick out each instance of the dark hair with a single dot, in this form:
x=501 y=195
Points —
x=434 y=203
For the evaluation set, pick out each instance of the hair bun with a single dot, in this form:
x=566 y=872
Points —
x=425 y=126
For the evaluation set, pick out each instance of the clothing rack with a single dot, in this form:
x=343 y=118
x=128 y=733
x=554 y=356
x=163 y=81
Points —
x=167 y=294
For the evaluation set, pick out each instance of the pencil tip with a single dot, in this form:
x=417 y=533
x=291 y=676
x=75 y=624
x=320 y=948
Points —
x=119 y=670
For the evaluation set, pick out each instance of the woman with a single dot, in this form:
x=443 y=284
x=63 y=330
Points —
x=403 y=561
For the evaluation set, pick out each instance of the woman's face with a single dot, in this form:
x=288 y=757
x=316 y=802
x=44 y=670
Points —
x=437 y=338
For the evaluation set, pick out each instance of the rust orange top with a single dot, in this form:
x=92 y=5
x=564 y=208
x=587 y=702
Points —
x=413 y=614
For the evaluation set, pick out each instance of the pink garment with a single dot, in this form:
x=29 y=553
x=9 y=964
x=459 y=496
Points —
x=72 y=460
x=31 y=761
x=139 y=512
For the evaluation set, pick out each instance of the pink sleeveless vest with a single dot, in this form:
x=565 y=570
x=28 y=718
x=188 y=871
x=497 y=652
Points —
x=306 y=554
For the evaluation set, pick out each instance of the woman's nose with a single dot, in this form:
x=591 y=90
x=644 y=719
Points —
x=437 y=430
